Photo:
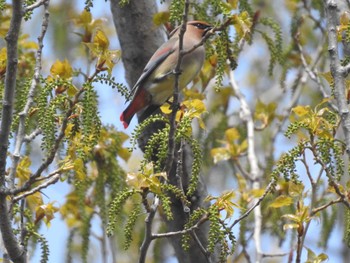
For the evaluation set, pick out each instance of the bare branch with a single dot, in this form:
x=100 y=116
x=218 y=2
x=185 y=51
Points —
x=51 y=179
x=179 y=175
x=14 y=250
x=35 y=81
x=177 y=71
x=247 y=213
x=320 y=208
x=36 y=5
x=181 y=232
x=331 y=180
x=313 y=75
x=247 y=116
x=202 y=248
x=32 y=136
x=266 y=255
x=148 y=230
x=337 y=70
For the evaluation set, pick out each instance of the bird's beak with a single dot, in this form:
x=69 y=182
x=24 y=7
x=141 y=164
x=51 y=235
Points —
x=207 y=30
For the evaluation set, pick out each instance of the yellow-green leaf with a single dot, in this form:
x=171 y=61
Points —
x=101 y=40
x=242 y=23
x=257 y=192
x=124 y=153
x=72 y=90
x=112 y=58
x=45 y=212
x=23 y=169
x=220 y=154
x=290 y=226
x=295 y=190
x=79 y=169
x=161 y=18
x=85 y=17
x=292 y=217
x=328 y=77
x=231 y=135
x=61 y=69
x=166 y=108
x=281 y=201
x=3 y=60
x=34 y=200
x=233 y=3
x=301 y=110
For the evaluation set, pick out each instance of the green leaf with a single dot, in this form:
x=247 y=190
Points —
x=295 y=190
x=301 y=110
x=220 y=154
x=281 y=201
x=61 y=69
x=231 y=135
x=292 y=217
x=242 y=23
x=290 y=226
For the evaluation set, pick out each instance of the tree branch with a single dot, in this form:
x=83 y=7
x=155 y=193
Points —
x=247 y=213
x=15 y=251
x=36 y=5
x=320 y=208
x=337 y=70
x=177 y=71
x=35 y=81
x=247 y=116
x=148 y=231
x=51 y=179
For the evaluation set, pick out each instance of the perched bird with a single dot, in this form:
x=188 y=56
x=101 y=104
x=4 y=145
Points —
x=156 y=83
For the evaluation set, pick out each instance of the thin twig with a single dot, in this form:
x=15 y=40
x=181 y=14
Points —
x=247 y=213
x=317 y=22
x=177 y=72
x=51 y=179
x=199 y=243
x=30 y=137
x=243 y=171
x=329 y=175
x=313 y=75
x=35 y=5
x=323 y=207
x=181 y=232
x=179 y=175
x=148 y=231
x=307 y=168
x=266 y=255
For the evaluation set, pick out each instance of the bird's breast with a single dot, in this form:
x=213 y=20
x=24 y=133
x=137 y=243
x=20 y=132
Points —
x=163 y=88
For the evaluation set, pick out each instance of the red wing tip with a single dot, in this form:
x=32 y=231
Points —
x=125 y=124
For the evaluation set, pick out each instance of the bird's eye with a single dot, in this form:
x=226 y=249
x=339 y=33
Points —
x=201 y=26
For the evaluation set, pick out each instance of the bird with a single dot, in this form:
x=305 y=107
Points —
x=156 y=83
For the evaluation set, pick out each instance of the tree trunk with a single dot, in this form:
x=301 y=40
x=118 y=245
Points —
x=139 y=38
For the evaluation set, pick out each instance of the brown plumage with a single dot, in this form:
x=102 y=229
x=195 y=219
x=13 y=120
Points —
x=156 y=83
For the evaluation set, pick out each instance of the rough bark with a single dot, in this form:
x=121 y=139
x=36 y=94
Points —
x=334 y=9
x=139 y=38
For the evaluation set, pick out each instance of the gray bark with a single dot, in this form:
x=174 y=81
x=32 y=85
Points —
x=139 y=38
x=13 y=248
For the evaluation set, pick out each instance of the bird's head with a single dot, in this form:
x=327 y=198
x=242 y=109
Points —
x=199 y=28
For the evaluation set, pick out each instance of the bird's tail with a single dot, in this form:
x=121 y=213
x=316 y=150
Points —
x=140 y=101
x=126 y=116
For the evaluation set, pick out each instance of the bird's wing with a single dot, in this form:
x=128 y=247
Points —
x=157 y=59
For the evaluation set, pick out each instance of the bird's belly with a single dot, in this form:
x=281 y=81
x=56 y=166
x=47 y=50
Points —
x=164 y=89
